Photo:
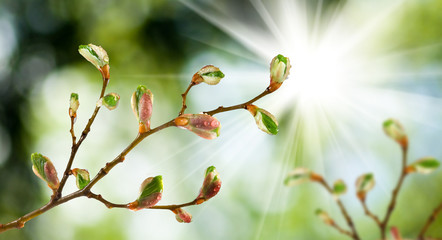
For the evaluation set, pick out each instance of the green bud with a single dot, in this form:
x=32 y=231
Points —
x=142 y=101
x=73 y=105
x=110 y=101
x=298 y=176
x=264 y=120
x=424 y=165
x=394 y=130
x=279 y=71
x=208 y=74
x=339 y=187
x=364 y=183
x=97 y=56
x=150 y=193
x=202 y=125
x=45 y=170
x=82 y=177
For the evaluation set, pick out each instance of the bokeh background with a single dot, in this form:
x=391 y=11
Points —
x=355 y=63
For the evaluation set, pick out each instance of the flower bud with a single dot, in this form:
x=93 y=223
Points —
x=279 y=71
x=150 y=193
x=182 y=215
x=424 y=165
x=202 y=125
x=82 y=177
x=142 y=101
x=394 y=130
x=298 y=176
x=208 y=74
x=73 y=105
x=324 y=217
x=97 y=56
x=45 y=170
x=364 y=183
x=264 y=120
x=395 y=233
x=339 y=187
x=110 y=101
x=211 y=185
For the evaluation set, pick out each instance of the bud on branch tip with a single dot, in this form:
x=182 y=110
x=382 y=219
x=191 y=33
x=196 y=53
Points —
x=264 y=120
x=279 y=71
x=298 y=176
x=97 y=56
x=150 y=193
x=395 y=131
x=208 y=74
x=202 y=125
x=364 y=183
x=73 y=105
x=211 y=185
x=142 y=104
x=45 y=170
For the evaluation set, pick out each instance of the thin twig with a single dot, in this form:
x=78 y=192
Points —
x=184 y=96
x=109 y=204
x=391 y=206
x=76 y=146
x=221 y=109
x=354 y=233
x=341 y=230
x=429 y=221
x=370 y=214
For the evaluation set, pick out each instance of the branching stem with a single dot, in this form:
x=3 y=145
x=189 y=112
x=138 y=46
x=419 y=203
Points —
x=353 y=234
x=429 y=221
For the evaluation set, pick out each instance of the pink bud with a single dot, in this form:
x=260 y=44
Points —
x=142 y=101
x=202 y=125
x=211 y=184
x=182 y=216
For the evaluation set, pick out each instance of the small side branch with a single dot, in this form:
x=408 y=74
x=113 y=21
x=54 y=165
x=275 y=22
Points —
x=184 y=96
x=221 y=109
x=370 y=214
x=353 y=234
x=429 y=221
x=392 y=205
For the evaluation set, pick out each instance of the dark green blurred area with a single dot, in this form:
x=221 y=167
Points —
x=142 y=37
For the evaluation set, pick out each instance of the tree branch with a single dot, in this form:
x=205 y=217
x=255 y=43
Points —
x=395 y=192
x=354 y=233
x=429 y=221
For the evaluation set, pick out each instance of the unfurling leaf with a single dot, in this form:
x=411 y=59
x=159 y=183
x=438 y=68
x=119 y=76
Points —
x=424 y=165
x=208 y=74
x=142 y=104
x=264 y=120
x=110 y=101
x=45 y=170
x=364 y=183
x=97 y=56
x=202 y=125
x=211 y=185
x=298 y=176
x=73 y=105
x=394 y=130
x=150 y=193
x=182 y=215
x=279 y=71
x=82 y=177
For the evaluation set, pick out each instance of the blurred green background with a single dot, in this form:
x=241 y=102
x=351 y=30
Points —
x=161 y=43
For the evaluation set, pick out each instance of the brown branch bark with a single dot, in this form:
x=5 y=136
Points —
x=392 y=205
x=184 y=96
x=354 y=233
x=429 y=221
